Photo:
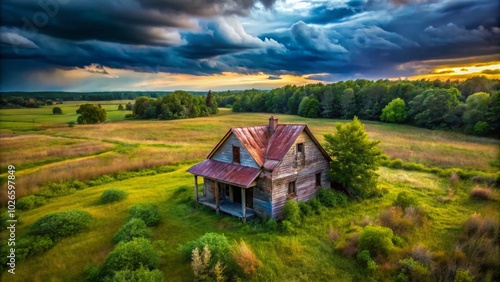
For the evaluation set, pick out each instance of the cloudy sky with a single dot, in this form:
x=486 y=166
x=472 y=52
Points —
x=97 y=45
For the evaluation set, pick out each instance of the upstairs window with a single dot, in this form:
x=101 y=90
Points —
x=292 y=189
x=318 y=179
x=236 y=154
x=300 y=148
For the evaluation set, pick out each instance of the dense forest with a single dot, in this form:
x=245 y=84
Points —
x=471 y=106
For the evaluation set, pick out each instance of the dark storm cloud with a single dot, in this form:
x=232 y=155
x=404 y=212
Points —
x=148 y=22
x=315 y=39
x=325 y=14
x=220 y=37
x=94 y=20
x=341 y=39
x=206 y=8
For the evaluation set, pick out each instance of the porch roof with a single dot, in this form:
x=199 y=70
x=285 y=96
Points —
x=233 y=174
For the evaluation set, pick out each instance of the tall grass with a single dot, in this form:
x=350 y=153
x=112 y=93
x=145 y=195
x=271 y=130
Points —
x=28 y=149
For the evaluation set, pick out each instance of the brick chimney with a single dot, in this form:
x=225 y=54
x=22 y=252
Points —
x=273 y=123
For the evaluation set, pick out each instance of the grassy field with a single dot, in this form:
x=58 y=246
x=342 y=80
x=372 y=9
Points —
x=47 y=150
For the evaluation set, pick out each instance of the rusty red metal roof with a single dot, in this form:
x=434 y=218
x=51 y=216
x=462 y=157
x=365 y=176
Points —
x=255 y=139
x=282 y=139
x=267 y=150
x=233 y=174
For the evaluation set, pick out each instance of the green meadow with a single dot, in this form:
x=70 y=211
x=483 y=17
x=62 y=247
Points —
x=149 y=159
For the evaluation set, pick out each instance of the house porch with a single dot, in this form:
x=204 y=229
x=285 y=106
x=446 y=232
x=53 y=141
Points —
x=228 y=207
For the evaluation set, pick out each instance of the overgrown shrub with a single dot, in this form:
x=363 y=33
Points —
x=31 y=246
x=411 y=270
x=480 y=244
x=364 y=259
x=315 y=205
x=398 y=241
x=148 y=213
x=287 y=227
x=135 y=228
x=403 y=221
x=463 y=275
x=396 y=163
x=4 y=219
x=446 y=264
x=415 y=167
x=481 y=193
x=30 y=202
x=142 y=274
x=131 y=255
x=58 y=225
x=112 y=195
x=330 y=198
x=271 y=224
x=217 y=243
x=377 y=240
x=305 y=208
x=421 y=254
x=349 y=248
x=405 y=200
x=78 y=185
x=291 y=212
x=245 y=258
x=53 y=190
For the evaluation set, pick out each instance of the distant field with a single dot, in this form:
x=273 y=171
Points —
x=27 y=119
x=44 y=149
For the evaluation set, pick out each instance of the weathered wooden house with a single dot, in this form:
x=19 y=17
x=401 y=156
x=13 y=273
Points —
x=254 y=170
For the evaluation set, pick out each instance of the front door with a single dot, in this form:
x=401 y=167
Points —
x=249 y=197
x=236 y=194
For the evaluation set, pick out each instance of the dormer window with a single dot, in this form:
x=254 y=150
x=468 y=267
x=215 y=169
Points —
x=300 y=148
x=236 y=154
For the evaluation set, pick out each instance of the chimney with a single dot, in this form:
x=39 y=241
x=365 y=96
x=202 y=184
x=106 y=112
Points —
x=273 y=123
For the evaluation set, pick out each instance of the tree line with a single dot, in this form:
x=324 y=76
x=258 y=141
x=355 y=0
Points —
x=177 y=105
x=38 y=99
x=471 y=106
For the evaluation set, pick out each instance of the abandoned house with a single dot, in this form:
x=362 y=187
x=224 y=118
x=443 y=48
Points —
x=254 y=170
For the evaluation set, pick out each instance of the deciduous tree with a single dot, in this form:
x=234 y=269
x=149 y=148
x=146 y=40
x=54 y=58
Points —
x=354 y=159
x=57 y=111
x=395 y=111
x=90 y=114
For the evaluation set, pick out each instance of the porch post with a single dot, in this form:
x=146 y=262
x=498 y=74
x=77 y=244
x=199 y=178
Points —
x=243 y=204
x=216 y=197
x=196 y=188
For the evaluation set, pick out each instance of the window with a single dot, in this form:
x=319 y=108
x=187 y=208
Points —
x=236 y=154
x=300 y=148
x=292 y=189
x=318 y=179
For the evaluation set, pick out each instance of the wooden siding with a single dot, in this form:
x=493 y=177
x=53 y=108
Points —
x=225 y=153
x=301 y=168
x=262 y=196
x=209 y=188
